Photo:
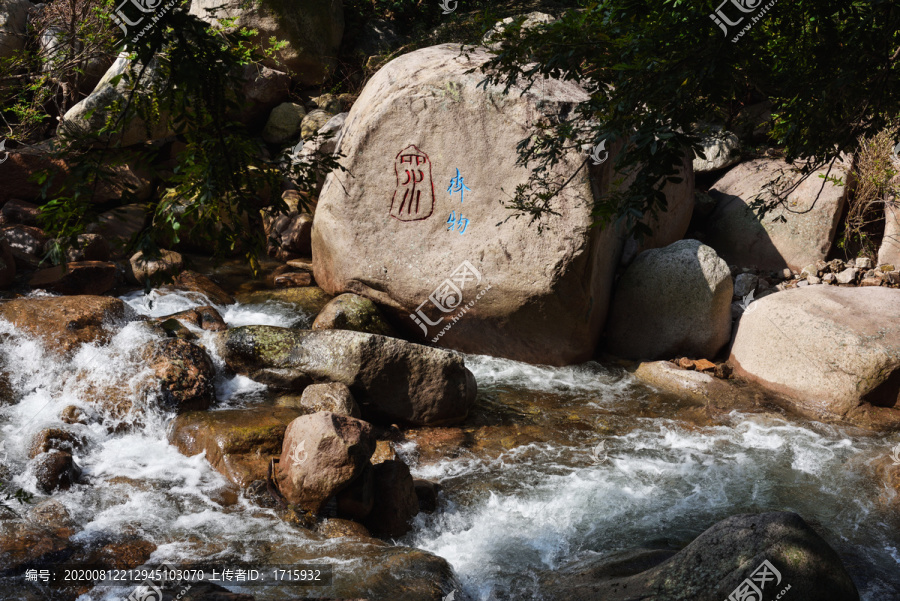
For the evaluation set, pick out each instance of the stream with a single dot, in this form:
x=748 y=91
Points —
x=561 y=464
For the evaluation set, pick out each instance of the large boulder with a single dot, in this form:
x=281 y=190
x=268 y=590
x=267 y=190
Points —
x=311 y=28
x=64 y=323
x=889 y=251
x=748 y=557
x=395 y=501
x=239 y=443
x=381 y=230
x=391 y=379
x=833 y=352
x=13 y=22
x=322 y=454
x=79 y=277
x=7 y=264
x=202 y=286
x=91 y=113
x=672 y=301
x=810 y=215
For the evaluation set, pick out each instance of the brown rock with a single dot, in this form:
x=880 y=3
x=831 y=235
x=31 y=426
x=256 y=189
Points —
x=704 y=365
x=355 y=501
x=120 y=225
x=321 y=455
x=239 y=443
x=427 y=494
x=7 y=264
x=26 y=244
x=53 y=438
x=384 y=451
x=396 y=503
x=191 y=281
x=82 y=277
x=288 y=235
x=155 y=269
x=63 y=323
x=338 y=528
x=685 y=363
x=24 y=543
x=20 y=211
x=186 y=373
x=55 y=470
x=17 y=171
x=88 y=247
x=333 y=396
x=73 y=415
x=51 y=514
x=293 y=279
x=205 y=318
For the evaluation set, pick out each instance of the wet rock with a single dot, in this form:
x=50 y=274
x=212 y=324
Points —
x=798 y=343
x=356 y=500
x=332 y=396
x=338 y=528
x=82 y=277
x=427 y=494
x=311 y=28
x=322 y=454
x=55 y=470
x=176 y=329
x=672 y=301
x=205 y=318
x=702 y=388
x=186 y=374
x=191 y=281
x=26 y=243
x=717 y=562
x=53 y=438
x=396 y=503
x=65 y=322
x=389 y=378
x=805 y=235
x=238 y=442
x=26 y=543
x=284 y=123
x=73 y=415
x=352 y=312
x=155 y=269
x=20 y=211
x=51 y=514
x=308 y=300
x=549 y=316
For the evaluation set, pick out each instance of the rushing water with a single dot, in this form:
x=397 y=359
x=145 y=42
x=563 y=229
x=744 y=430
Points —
x=540 y=490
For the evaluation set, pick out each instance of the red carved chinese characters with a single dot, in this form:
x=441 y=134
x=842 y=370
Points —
x=413 y=199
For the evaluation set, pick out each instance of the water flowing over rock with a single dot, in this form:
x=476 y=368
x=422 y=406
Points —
x=719 y=561
x=63 y=323
x=391 y=379
x=835 y=352
x=811 y=218
x=322 y=454
x=311 y=28
x=672 y=301
x=382 y=235
x=191 y=281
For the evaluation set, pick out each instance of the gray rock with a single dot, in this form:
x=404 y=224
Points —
x=13 y=21
x=744 y=284
x=313 y=121
x=352 y=312
x=391 y=379
x=810 y=270
x=848 y=276
x=722 y=149
x=530 y=21
x=714 y=565
x=864 y=263
x=813 y=280
x=332 y=396
x=672 y=301
x=829 y=278
x=284 y=123
x=889 y=251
